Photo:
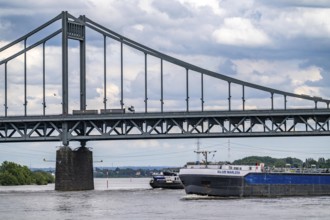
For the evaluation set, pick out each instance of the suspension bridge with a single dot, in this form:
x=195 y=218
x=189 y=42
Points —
x=208 y=104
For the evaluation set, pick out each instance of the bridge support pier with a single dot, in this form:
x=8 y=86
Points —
x=74 y=169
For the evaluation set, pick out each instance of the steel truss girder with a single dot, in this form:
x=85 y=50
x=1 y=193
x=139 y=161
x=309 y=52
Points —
x=166 y=125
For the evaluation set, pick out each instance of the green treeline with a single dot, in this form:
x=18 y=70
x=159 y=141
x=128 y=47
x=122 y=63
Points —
x=15 y=174
x=294 y=162
x=124 y=172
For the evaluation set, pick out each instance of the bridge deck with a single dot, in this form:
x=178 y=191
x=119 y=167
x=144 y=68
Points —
x=252 y=123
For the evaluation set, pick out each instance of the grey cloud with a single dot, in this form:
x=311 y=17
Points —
x=228 y=68
x=173 y=9
x=297 y=3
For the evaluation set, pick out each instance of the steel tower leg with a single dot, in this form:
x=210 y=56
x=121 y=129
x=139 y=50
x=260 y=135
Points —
x=83 y=69
x=65 y=66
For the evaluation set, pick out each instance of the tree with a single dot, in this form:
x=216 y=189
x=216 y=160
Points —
x=15 y=174
x=309 y=162
x=268 y=161
x=7 y=179
x=321 y=162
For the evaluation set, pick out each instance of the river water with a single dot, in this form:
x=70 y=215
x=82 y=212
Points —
x=134 y=199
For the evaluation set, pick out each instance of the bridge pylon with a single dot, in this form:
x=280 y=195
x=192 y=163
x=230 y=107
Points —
x=74 y=169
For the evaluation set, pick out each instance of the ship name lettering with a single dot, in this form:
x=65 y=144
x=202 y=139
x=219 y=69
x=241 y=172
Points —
x=228 y=171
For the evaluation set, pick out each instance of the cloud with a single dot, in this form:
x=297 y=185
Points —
x=312 y=91
x=228 y=68
x=174 y=10
x=240 y=32
x=289 y=75
x=301 y=76
x=213 y=5
x=296 y=23
x=297 y=3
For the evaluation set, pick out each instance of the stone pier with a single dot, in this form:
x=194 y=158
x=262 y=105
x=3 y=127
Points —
x=74 y=169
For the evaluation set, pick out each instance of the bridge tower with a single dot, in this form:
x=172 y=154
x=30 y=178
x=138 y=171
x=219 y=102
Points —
x=74 y=168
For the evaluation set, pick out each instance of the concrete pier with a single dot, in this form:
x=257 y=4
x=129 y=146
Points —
x=74 y=169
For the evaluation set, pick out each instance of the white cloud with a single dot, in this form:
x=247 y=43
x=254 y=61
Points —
x=138 y=27
x=214 y=5
x=290 y=23
x=308 y=90
x=301 y=76
x=238 y=31
x=288 y=76
x=313 y=23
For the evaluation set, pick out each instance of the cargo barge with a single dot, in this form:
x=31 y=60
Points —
x=166 y=180
x=253 y=181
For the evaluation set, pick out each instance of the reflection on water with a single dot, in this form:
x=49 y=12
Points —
x=134 y=199
x=121 y=183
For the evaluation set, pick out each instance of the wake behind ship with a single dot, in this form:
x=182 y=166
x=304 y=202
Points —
x=246 y=181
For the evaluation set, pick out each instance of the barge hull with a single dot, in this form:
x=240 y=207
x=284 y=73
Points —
x=212 y=185
x=273 y=190
x=258 y=185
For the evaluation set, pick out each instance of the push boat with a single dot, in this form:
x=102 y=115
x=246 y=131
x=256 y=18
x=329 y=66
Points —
x=166 y=180
x=254 y=181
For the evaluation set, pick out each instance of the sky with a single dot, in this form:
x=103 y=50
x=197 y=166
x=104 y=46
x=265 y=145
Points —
x=281 y=44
